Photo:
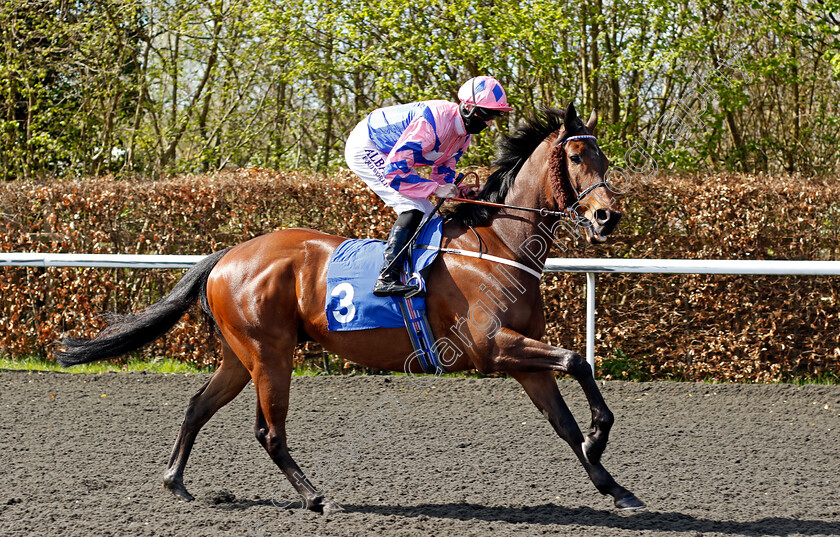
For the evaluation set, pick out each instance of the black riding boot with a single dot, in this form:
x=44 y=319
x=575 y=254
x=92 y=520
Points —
x=388 y=283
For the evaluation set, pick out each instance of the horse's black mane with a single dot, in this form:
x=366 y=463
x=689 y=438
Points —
x=513 y=150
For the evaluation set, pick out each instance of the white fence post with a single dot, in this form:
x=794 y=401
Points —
x=590 y=320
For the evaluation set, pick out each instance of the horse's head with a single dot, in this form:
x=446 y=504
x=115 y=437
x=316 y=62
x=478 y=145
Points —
x=577 y=169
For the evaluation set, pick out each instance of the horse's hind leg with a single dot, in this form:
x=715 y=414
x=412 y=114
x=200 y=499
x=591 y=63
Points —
x=219 y=390
x=542 y=388
x=272 y=385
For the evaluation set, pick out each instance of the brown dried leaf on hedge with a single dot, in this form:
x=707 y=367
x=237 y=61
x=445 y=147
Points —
x=686 y=326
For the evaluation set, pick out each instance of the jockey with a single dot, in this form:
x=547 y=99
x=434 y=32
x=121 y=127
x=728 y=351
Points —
x=385 y=148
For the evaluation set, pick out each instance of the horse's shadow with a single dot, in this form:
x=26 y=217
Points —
x=638 y=520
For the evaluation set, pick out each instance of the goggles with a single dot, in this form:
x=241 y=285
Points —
x=489 y=114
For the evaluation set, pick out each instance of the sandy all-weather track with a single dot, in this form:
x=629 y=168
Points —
x=83 y=455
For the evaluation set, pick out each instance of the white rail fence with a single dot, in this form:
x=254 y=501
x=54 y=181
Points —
x=98 y=260
x=590 y=267
x=678 y=266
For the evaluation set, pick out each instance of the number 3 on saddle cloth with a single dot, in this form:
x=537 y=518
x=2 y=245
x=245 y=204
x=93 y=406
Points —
x=351 y=305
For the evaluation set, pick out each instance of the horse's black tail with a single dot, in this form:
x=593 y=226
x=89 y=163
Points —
x=126 y=333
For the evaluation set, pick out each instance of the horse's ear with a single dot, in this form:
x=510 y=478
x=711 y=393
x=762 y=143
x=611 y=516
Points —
x=593 y=121
x=571 y=118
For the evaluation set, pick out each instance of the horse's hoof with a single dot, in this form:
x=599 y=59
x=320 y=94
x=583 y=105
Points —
x=331 y=508
x=629 y=503
x=178 y=489
x=181 y=493
x=321 y=505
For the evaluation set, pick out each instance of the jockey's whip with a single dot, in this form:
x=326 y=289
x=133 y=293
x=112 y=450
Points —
x=423 y=223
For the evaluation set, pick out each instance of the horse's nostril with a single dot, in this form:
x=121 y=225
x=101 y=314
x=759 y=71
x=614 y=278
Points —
x=602 y=216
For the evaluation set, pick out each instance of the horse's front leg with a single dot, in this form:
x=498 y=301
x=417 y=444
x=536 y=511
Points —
x=515 y=352
x=542 y=389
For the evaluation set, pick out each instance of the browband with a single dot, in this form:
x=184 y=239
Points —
x=579 y=137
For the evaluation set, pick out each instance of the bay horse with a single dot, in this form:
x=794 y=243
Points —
x=267 y=295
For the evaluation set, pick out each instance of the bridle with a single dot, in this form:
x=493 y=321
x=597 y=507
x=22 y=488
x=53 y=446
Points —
x=568 y=212
x=590 y=188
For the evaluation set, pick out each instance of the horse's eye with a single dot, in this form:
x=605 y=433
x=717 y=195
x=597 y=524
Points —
x=576 y=159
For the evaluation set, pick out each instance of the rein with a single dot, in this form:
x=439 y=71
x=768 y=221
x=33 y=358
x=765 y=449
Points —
x=542 y=212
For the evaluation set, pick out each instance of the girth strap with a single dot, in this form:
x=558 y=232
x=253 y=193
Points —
x=488 y=257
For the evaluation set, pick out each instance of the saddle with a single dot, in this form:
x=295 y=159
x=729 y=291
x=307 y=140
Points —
x=351 y=304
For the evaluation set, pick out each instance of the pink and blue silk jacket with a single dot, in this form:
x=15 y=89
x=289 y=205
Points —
x=426 y=133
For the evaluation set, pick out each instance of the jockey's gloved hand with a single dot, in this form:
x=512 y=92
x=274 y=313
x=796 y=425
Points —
x=468 y=192
x=446 y=191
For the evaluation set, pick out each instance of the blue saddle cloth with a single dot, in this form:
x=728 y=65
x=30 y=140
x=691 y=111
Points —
x=352 y=272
